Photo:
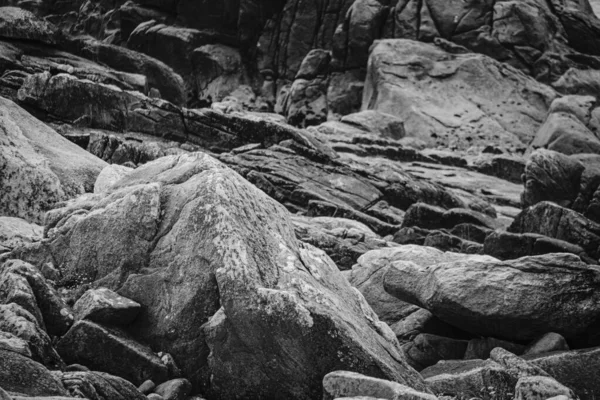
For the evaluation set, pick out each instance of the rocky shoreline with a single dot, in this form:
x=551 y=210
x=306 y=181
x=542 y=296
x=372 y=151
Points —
x=251 y=199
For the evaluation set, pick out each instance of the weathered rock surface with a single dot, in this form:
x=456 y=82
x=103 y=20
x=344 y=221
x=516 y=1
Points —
x=15 y=232
x=241 y=286
x=40 y=168
x=368 y=276
x=440 y=97
x=449 y=291
x=99 y=385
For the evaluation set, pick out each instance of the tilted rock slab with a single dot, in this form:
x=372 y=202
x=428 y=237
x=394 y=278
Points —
x=245 y=309
x=513 y=300
x=38 y=167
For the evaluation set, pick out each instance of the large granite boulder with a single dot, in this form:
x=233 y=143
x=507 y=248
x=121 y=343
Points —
x=369 y=273
x=40 y=168
x=441 y=98
x=218 y=270
x=513 y=300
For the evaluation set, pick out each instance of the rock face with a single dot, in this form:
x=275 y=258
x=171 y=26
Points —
x=449 y=291
x=441 y=98
x=239 y=281
x=40 y=168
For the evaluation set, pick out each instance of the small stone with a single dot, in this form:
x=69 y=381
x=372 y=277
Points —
x=540 y=387
x=154 y=396
x=176 y=389
x=147 y=387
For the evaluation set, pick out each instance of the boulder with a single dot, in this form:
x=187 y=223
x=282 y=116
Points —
x=551 y=176
x=339 y=384
x=187 y=225
x=427 y=216
x=478 y=378
x=20 y=374
x=449 y=290
x=106 y=307
x=41 y=168
x=10 y=342
x=572 y=369
x=515 y=365
x=441 y=100
x=554 y=221
x=110 y=350
x=369 y=273
x=565 y=133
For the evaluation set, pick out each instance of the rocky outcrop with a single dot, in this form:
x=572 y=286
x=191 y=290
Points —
x=265 y=284
x=449 y=290
x=40 y=168
x=441 y=100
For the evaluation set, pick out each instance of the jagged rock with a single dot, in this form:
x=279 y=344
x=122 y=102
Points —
x=19 y=24
x=449 y=290
x=502 y=166
x=270 y=302
x=441 y=100
x=15 y=232
x=561 y=223
x=482 y=347
x=483 y=379
x=551 y=176
x=350 y=384
x=426 y=350
x=108 y=176
x=106 y=307
x=547 y=343
x=23 y=284
x=40 y=168
x=176 y=389
x=99 y=386
x=572 y=369
x=540 y=387
x=343 y=240
x=22 y=324
x=109 y=350
x=20 y=374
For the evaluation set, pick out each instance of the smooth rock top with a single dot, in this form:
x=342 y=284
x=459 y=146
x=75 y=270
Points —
x=105 y=306
x=514 y=300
